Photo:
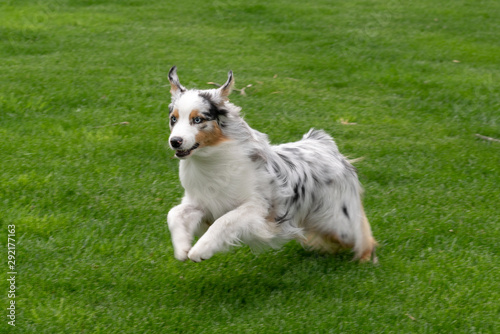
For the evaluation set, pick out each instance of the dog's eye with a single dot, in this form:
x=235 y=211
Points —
x=197 y=120
x=173 y=119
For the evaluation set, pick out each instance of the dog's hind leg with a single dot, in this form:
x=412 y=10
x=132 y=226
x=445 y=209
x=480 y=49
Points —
x=341 y=226
x=183 y=222
x=365 y=247
x=247 y=223
x=321 y=242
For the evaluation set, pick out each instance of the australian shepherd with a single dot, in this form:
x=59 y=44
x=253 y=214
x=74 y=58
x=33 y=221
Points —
x=241 y=189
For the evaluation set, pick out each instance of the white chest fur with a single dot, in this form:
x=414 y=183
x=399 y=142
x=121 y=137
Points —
x=217 y=181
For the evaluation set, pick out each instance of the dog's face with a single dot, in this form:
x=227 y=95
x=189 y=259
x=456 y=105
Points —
x=196 y=117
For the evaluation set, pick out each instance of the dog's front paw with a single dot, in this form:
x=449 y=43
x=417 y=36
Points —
x=198 y=254
x=181 y=254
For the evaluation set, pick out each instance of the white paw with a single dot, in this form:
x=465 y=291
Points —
x=181 y=254
x=198 y=254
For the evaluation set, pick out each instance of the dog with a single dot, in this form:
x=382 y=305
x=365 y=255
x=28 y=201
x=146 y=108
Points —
x=241 y=189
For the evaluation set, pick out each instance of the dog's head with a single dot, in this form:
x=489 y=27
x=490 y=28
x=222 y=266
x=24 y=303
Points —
x=197 y=116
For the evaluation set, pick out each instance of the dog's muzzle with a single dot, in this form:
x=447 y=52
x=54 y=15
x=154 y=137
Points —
x=185 y=153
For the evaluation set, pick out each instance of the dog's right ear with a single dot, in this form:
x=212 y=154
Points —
x=226 y=88
x=175 y=86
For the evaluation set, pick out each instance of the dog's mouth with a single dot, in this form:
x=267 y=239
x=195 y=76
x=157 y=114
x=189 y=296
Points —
x=185 y=153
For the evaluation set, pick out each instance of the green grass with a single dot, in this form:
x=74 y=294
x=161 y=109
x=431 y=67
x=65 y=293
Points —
x=89 y=198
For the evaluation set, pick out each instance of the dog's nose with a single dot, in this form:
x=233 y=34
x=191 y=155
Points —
x=176 y=142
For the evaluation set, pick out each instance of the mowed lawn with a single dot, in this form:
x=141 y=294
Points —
x=87 y=178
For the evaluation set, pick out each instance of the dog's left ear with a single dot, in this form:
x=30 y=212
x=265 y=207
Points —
x=226 y=88
x=175 y=86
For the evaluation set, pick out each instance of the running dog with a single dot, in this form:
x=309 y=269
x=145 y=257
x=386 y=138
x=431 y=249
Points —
x=241 y=189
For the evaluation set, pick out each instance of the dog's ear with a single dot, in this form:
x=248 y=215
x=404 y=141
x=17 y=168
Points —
x=176 y=87
x=226 y=88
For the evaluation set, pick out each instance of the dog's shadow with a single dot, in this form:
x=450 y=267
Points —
x=293 y=271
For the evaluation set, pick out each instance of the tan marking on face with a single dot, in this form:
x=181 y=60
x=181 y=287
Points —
x=175 y=113
x=210 y=133
x=194 y=113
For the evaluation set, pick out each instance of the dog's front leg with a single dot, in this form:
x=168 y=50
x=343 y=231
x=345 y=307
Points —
x=183 y=220
x=245 y=223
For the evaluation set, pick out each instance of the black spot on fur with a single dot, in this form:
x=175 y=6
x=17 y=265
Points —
x=283 y=218
x=214 y=111
x=287 y=160
x=256 y=156
x=344 y=210
x=276 y=167
x=209 y=115
x=296 y=195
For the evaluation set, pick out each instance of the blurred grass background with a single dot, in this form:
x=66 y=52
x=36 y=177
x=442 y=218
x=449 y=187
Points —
x=87 y=178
